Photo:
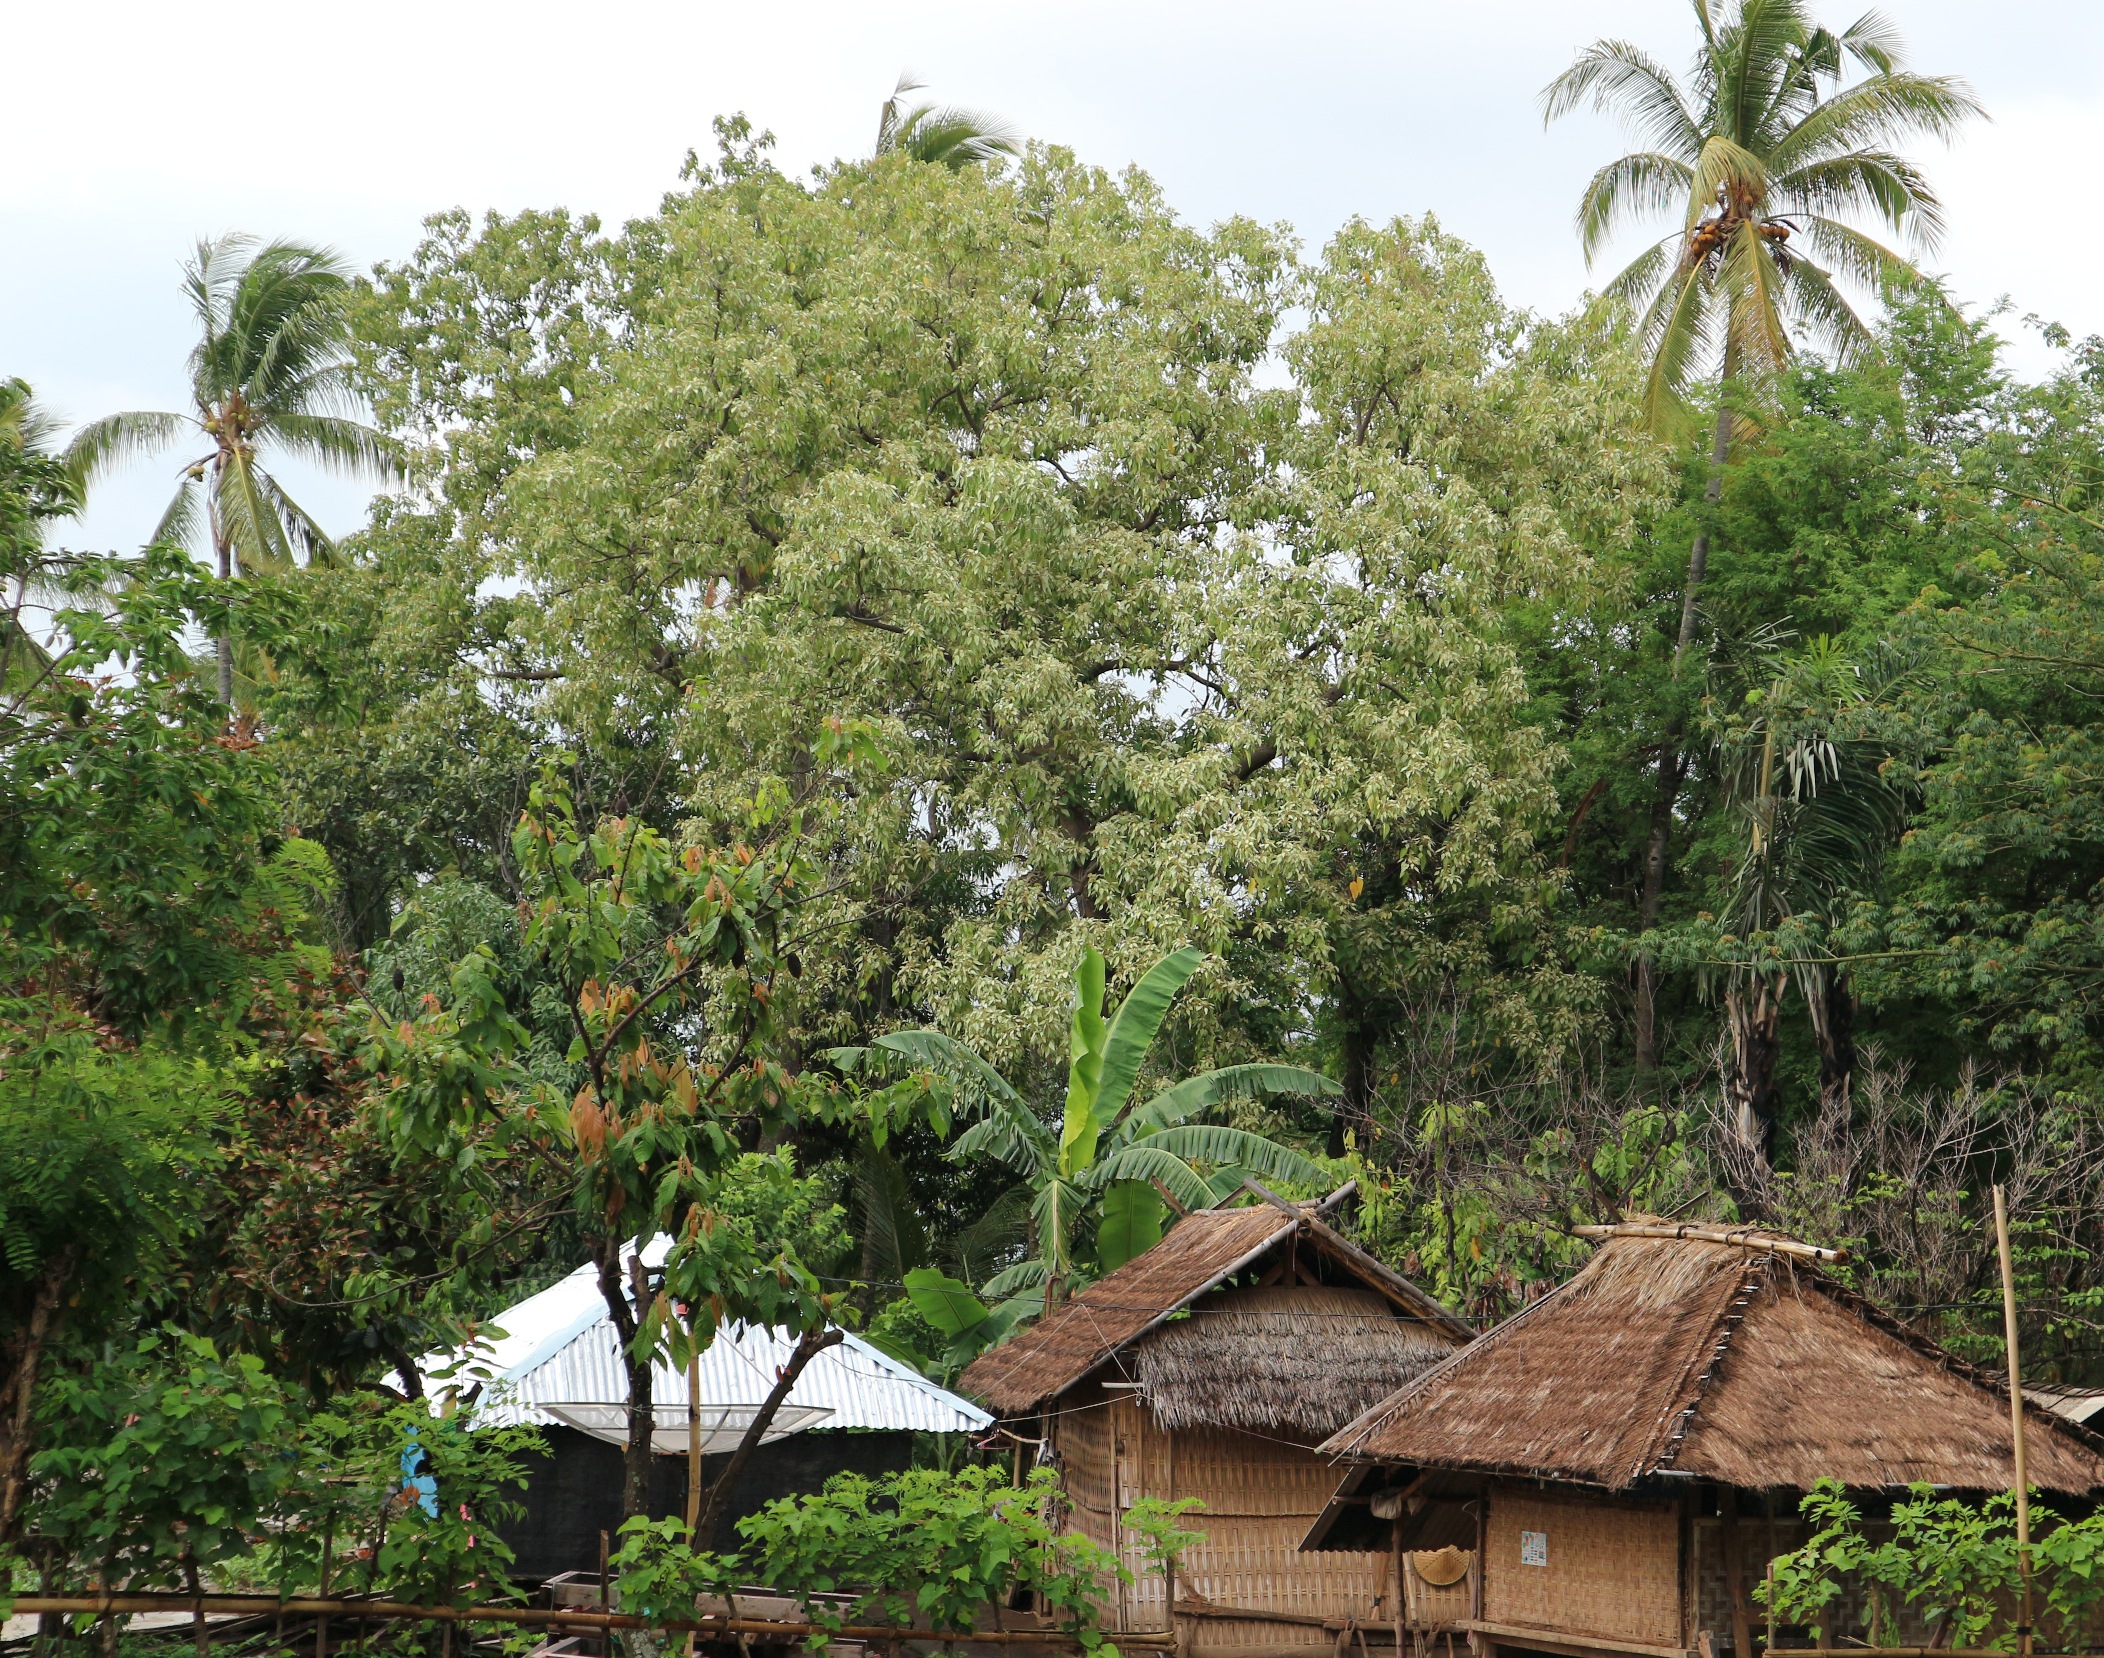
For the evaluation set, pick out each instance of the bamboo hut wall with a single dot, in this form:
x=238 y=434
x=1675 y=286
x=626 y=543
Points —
x=1081 y=1439
x=1613 y=1569
x=1761 y=1539
x=1260 y=1497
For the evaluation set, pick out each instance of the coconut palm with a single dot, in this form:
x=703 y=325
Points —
x=1762 y=155
x=944 y=134
x=270 y=372
x=1111 y=1161
x=36 y=489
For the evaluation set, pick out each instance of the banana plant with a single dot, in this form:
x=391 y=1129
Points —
x=1112 y=1161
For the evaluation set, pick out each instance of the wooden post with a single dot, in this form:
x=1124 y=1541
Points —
x=606 y=1635
x=693 y=1453
x=1734 y=1570
x=1396 y=1562
x=1771 y=1598
x=2016 y=1418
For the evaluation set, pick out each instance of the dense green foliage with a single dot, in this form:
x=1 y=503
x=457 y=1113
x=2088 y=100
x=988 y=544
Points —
x=908 y=724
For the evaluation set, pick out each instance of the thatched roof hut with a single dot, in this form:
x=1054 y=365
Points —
x=1208 y=1367
x=1735 y=1362
x=1620 y=1461
x=1304 y=1354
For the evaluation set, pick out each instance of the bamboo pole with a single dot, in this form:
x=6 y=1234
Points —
x=2016 y=1417
x=1742 y=1237
x=155 y=1600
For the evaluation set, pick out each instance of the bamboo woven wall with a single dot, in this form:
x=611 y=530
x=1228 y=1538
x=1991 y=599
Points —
x=1260 y=1497
x=1613 y=1569
x=1760 y=1541
x=1429 y=1604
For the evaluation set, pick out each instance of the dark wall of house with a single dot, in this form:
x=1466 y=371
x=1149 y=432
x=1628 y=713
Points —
x=573 y=1490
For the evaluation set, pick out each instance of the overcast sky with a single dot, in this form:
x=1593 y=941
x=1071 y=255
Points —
x=135 y=128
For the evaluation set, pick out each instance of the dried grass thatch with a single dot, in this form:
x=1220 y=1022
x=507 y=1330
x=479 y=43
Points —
x=1725 y=1361
x=1202 y=1251
x=1303 y=1357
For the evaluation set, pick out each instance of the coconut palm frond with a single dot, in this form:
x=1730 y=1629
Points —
x=348 y=448
x=1862 y=259
x=945 y=135
x=184 y=522
x=1635 y=187
x=1875 y=113
x=103 y=445
x=1619 y=79
x=1888 y=186
x=1826 y=315
x=303 y=535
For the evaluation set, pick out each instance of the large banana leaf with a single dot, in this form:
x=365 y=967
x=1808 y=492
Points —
x=1019 y=1279
x=1134 y=1026
x=1001 y=1139
x=1077 y=1133
x=1211 y=1143
x=946 y=1304
x=1054 y=1208
x=1130 y=1223
x=1149 y=1163
x=1230 y=1082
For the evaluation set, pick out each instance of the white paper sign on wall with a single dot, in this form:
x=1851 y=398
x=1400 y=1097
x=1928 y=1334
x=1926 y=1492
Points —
x=1534 y=1548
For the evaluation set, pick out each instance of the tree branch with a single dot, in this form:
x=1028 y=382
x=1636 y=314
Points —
x=808 y=1347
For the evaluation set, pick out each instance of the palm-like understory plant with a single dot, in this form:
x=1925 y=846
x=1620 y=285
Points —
x=1111 y=1161
x=1763 y=156
x=270 y=372
x=944 y=134
x=1808 y=780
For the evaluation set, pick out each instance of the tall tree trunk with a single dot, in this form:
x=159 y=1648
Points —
x=636 y=1463
x=1355 y=1107
x=809 y=1345
x=1672 y=763
x=1833 y=1013
x=24 y=1353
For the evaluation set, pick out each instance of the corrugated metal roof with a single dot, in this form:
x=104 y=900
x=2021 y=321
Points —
x=561 y=1347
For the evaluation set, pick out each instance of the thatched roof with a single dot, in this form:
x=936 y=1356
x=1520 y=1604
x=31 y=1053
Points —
x=1726 y=1361
x=1306 y=1357
x=1201 y=1252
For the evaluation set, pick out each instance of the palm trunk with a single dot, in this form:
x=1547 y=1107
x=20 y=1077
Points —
x=223 y=545
x=1753 y=1008
x=1833 y=1012
x=1672 y=764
